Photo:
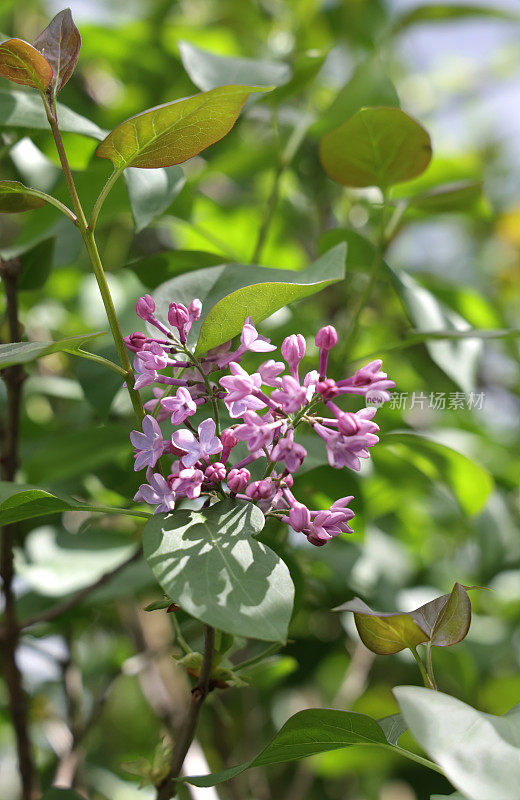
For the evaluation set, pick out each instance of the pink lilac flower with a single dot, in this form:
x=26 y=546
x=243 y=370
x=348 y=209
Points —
x=157 y=492
x=326 y=339
x=187 y=483
x=240 y=387
x=147 y=362
x=291 y=396
x=196 y=449
x=269 y=371
x=251 y=340
x=256 y=431
x=369 y=378
x=151 y=405
x=148 y=444
x=238 y=479
x=289 y=451
x=293 y=350
x=261 y=490
x=135 y=341
x=180 y=407
x=178 y=317
x=355 y=434
x=145 y=307
x=229 y=441
x=215 y=472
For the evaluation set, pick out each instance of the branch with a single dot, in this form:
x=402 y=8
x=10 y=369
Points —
x=13 y=377
x=167 y=788
x=60 y=608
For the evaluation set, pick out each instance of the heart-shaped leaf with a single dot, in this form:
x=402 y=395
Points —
x=151 y=191
x=174 y=132
x=443 y=622
x=479 y=753
x=20 y=62
x=20 y=109
x=208 y=563
x=207 y=70
x=15 y=197
x=231 y=292
x=317 y=730
x=378 y=146
x=60 y=43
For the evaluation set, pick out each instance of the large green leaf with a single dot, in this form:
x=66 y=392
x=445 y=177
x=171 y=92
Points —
x=317 y=730
x=377 y=146
x=208 y=71
x=25 y=110
x=231 y=292
x=479 y=753
x=151 y=191
x=21 y=501
x=208 y=562
x=160 y=267
x=36 y=262
x=20 y=62
x=60 y=43
x=15 y=197
x=459 y=359
x=23 y=352
x=470 y=483
x=55 y=793
x=174 y=132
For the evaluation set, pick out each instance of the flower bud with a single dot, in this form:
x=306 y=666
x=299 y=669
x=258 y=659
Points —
x=327 y=389
x=228 y=439
x=178 y=316
x=293 y=350
x=299 y=517
x=145 y=307
x=195 y=309
x=238 y=479
x=215 y=472
x=135 y=341
x=327 y=337
x=260 y=490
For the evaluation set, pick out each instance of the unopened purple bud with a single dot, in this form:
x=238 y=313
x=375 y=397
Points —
x=327 y=337
x=145 y=307
x=327 y=389
x=135 y=341
x=293 y=350
x=228 y=439
x=238 y=479
x=215 y=472
x=299 y=517
x=260 y=490
x=195 y=309
x=178 y=316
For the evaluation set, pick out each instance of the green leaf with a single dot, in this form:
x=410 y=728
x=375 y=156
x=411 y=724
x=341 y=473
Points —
x=378 y=146
x=393 y=727
x=470 y=483
x=442 y=12
x=458 y=359
x=384 y=633
x=231 y=292
x=479 y=753
x=317 y=730
x=368 y=86
x=55 y=793
x=15 y=197
x=208 y=71
x=152 y=191
x=55 y=563
x=174 y=132
x=446 y=619
x=157 y=269
x=21 y=63
x=99 y=386
x=24 y=352
x=450 y=197
x=22 y=501
x=305 y=68
x=208 y=563
x=60 y=43
x=25 y=110
x=36 y=264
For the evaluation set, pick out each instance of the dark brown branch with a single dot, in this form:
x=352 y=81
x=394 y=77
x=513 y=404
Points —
x=13 y=378
x=185 y=737
x=60 y=608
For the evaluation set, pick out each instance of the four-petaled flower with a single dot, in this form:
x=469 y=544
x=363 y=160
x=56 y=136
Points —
x=148 y=444
x=197 y=449
x=157 y=492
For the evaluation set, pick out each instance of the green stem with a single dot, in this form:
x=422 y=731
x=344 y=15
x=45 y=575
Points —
x=101 y=199
x=53 y=201
x=422 y=669
x=90 y=244
x=256 y=659
x=394 y=748
x=429 y=666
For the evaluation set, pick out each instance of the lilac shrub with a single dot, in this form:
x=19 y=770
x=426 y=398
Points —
x=269 y=406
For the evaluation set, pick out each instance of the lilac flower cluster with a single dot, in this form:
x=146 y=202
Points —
x=266 y=408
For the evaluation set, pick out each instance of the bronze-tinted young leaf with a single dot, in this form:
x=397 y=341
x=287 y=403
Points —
x=384 y=633
x=60 y=43
x=377 y=146
x=446 y=619
x=15 y=197
x=20 y=62
x=174 y=132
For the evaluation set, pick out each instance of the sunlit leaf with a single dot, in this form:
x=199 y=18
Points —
x=479 y=753
x=446 y=619
x=60 y=43
x=208 y=563
x=25 y=110
x=208 y=71
x=174 y=132
x=21 y=63
x=384 y=632
x=23 y=352
x=378 y=146
x=151 y=191
x=15 y=197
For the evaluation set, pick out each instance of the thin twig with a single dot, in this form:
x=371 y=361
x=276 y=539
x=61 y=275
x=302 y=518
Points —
x=60 y=608
x=13 y=377
x=167 y=788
